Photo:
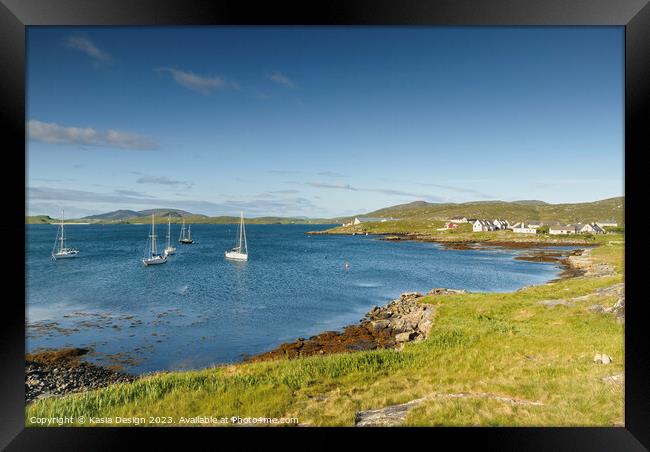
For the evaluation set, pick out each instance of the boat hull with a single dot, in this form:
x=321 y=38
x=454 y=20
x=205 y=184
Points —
x=170 y=251
x=234 y=255
x=186 y=242
x=68 y=255
x=154 y=261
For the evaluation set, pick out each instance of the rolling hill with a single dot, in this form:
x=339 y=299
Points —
x=419 y=211
x=606 y=209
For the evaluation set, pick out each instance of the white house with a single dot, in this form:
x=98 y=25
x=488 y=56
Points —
x=482 y=226
x=607 y=224
x=458 y=219
x=589 y=228
x=561 y=229
x=535 y=224
x=521 y=228
x=501 y=224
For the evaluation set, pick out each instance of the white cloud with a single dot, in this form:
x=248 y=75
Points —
x=203 y=85
x=281 y=79
x=49 y=132
x=86 y=46
x=162 y=180
x=330 y=174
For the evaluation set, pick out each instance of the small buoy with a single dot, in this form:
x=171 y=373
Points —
x=347 y=265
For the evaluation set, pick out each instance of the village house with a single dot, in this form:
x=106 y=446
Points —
x=458 y=219
x=589 y=228
x=561 y=229
x=501 y=224
x=607 y=224
x=535 y=224
x=482 y=226
x=522 y=228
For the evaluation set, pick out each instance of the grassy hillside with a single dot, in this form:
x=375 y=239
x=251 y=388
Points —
x=39 y=219
x=607 y=209
x=490 y=348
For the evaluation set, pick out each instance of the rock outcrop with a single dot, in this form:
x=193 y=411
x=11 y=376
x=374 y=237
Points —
x=402 y=320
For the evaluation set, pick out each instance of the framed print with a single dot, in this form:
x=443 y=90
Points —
x=360 y=214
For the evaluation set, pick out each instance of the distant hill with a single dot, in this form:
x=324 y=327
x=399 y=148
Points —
x=524 y=210
x=606 y=209
x=38 y=219
x=128 y=215
x=173 y=212
x=115 y=215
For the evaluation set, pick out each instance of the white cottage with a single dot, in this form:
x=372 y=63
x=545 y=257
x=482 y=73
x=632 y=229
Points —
x=501 y=224
x=522 y=228
x=561 y=229
x=482 y=226
x=589 y=228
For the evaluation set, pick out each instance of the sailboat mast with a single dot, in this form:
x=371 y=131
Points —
x=169 y=230
x=153 y=237
x=244 y=233
x=62 y=236
x=241 y=228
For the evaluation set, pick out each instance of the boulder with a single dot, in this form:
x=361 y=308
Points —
x=405 y=336
x=379 y=325
x=601 y=358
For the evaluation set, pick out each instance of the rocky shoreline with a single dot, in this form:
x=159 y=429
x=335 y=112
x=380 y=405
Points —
x=402 y=320
x=50 y=373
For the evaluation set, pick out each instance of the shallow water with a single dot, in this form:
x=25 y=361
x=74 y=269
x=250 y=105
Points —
x=199 y=309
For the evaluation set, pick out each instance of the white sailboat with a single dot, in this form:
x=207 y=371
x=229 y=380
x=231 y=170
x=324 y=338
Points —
x=169 y=250
x=239 y=252
x=186 y=239
x=153 y=258
x=63 y=252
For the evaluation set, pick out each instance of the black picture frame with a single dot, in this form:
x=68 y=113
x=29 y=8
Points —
x=634 y=15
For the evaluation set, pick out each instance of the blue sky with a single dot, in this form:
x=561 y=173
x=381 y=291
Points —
x=323 y=121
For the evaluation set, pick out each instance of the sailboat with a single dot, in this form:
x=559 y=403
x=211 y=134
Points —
x=154 y=258
x=240 y=252
x=169 y=250
x=63 y=252
x=186 y=239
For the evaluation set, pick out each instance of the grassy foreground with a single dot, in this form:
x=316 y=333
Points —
x=506 y=344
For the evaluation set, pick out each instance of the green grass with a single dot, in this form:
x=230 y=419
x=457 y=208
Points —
x=501 y=343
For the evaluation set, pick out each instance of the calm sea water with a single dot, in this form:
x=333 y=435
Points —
x=199 y=309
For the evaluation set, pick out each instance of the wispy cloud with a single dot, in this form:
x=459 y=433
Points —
x=162 y=180
x=341 y=186
x=330 y=174
x=285 y=172
x=49 y=199
x=86 y=46
x=385 y=191
x=132 y=193
x=284 y=192
x=468 y=191
x=49 y=132
x=201 y=84
x=281 y=79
